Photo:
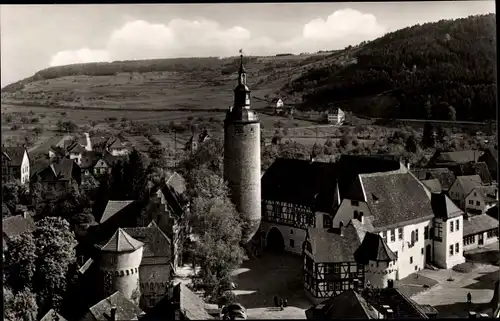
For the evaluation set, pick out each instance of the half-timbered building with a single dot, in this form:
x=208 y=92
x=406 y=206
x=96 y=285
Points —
x=330 y=267
x=293 y=191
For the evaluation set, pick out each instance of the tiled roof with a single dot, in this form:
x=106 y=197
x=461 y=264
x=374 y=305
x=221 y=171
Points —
x=117 y=144
x=487 y=192
x=444 y=207
x=153 y=238
x=471 y=168
x=394 y=198
x=300 y=182
x=62 y=170
x=346 y=305
x=177 y=182
x=89 y=159
x=171 y=200
x=17 y=225
x=350 y=166
x=402 y=306
x=433 y=184
x=76 y=148
x=58 y=150
x=121 y=242
x=125 y=309
x=52 y=315
x=469 y=182
x=5 y=210
x=191 y=305
x=112 y=208
x=479 y=223
x=428 y=309
x=15 y=154
x=329 y=246
x=373 y=248
x=111 y=160
x=445 y=176
x=464 y=156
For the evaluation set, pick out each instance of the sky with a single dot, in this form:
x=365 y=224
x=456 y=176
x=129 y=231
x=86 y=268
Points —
x=35 y=37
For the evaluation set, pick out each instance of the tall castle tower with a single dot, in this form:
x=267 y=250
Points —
x=119 y=261
x=242 y=156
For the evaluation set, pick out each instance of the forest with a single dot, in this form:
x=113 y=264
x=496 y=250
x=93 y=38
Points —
x=443 y=70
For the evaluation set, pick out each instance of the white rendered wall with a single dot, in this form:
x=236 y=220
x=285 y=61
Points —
x=289 y=233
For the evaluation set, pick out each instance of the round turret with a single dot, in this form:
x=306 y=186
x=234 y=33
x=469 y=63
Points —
x=119 y=261
x=242 y=156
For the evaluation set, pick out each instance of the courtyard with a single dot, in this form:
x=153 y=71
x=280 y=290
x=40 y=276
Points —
x=273 y=274
x=449 y=295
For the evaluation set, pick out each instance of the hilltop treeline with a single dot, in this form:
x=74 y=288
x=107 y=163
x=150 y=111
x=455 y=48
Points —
x=133 y=66
x=442 y=70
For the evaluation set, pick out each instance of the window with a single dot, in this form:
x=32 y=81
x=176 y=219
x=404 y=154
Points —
x=478 y=203
x=336 y=268
x=412 y=240
x=451 y=226
x=439 y=231
x=292 y=243
x=451 y=250
x=457 y=225
x=393 y=235
x=400 y=233
x=384 y=236
x=411 y=259
x=426 y=233
x=457 y=247
x=291 y=231
x=422 y=251
x=469 y=240
x=377 y=263
x=327 y=221
x=416 y=235
x=491 y=233
x=416 y=268
x=475 y=194
x=354 y=203
x=471 y=202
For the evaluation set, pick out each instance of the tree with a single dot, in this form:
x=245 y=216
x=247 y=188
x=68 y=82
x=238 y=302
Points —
x=66 y=126
x=135 y=174
x=13 y=194
x=20 y=259
x=19 y=306
x=428 y=139
x=218 y=226
x=411 y=144
x=56 y=262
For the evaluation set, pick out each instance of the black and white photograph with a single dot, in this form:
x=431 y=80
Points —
x=233 y=161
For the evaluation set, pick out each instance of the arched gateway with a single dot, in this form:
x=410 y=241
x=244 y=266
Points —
x=275 y=241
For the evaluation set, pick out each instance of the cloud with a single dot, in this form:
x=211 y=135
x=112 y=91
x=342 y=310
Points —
x=83 y=55
x=140 y=39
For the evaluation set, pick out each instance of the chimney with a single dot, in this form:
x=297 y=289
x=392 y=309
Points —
x=408 y=165
x=113 y=313
x=360 y=217
x=389 y=313
x=341 y=228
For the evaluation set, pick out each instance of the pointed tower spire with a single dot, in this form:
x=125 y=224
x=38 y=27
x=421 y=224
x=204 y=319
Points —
x=242 y=73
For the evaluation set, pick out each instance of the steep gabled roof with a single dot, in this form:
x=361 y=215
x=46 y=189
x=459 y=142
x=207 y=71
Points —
x=433 y=185
x=300 y=182
x=76 y=148
x=488 y=193
x=52 y=315
x=112 y=208
x=191 y=304
x=89 y=159
x=153 y=238
x=457 y=157
x=346 y=305
x=393 y=198
x=471 y=168
x=125 y=309
x=479 y=223
x=443 y=207
x=15 y=154
x=17 y=225
x=116 y=144
x=329 y=246
x=469 y=182
x=120 y=242
x=445 y=176
x=177 y=182
x=171 y=200
x=373 y=248
x=62 y=170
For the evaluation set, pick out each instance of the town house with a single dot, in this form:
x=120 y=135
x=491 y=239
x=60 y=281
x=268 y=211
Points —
x=15 y=164
x=462 y=186
x=481 y=198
